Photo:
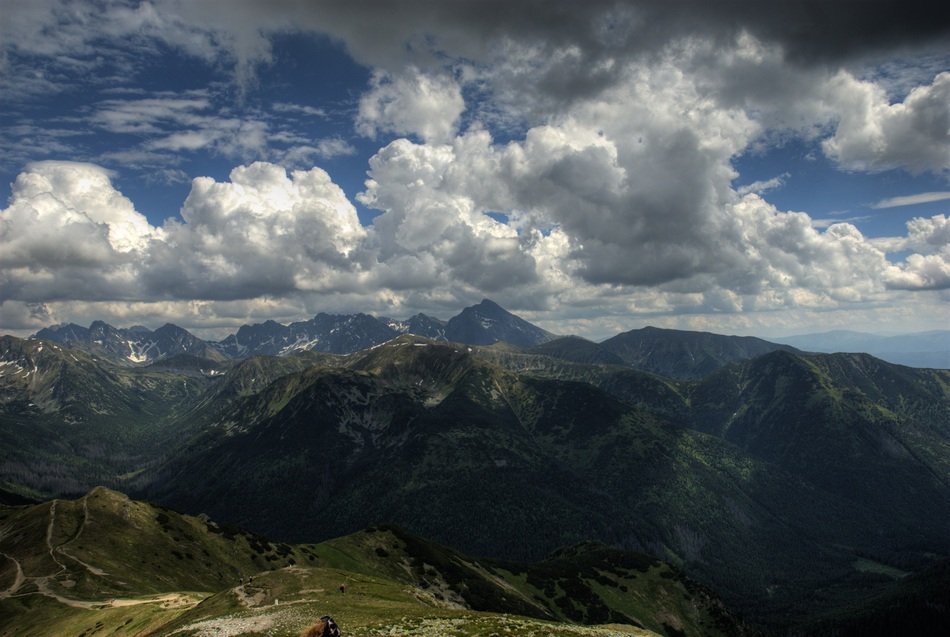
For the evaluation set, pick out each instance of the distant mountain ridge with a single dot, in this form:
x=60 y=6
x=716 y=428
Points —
x=488 y=323
x=133 y=345
x=924 y=349
x=672 y=353
x=683 y=354
x=420 y=325
x=332 y=333
x=480 y=324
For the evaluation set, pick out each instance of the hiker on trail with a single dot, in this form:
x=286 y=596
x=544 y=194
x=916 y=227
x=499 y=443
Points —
x=326 y=627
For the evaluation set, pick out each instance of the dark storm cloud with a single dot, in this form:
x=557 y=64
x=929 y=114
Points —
x=561 y=51
x=582 y=43
x=811 y=31
x=832 y=31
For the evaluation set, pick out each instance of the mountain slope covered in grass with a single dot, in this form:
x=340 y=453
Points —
x=108 y=564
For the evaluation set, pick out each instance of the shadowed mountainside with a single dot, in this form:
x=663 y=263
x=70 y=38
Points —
x=534 y=463
x=685 y=355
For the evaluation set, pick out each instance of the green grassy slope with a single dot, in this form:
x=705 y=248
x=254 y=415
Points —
x=851 y=425
x=108 y=563
x=590 y=584
x=105 y=564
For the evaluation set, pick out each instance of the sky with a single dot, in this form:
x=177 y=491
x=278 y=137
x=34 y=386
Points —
x=764 y=168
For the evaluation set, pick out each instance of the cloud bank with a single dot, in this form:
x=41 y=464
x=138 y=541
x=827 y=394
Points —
x=265 y=240
x=576 y=157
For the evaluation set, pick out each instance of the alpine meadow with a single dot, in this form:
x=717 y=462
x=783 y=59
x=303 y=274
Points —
x=466 y=318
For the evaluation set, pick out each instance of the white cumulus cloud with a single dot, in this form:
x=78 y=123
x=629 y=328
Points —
x=261 y=233
x=874 y=135
x=411 y=103
x=68 y=233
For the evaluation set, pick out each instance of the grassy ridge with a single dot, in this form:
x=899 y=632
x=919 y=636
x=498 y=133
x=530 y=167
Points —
x=105 y=564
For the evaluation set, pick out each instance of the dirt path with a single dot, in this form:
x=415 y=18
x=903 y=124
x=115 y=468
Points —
x=41 y=582
x=168 y=600
x=62 y=547
x=17 y=581
x=49 y=538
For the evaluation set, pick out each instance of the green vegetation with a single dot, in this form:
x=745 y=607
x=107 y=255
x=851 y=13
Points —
x=104 y=564
x=792 y=485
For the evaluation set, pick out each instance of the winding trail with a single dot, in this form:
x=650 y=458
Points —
x=42 y=582
x=18 y=581
x=49 y=539
x=62 y=547
x=168 y=600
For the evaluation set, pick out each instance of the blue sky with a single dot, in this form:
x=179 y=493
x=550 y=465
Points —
x=594 y=167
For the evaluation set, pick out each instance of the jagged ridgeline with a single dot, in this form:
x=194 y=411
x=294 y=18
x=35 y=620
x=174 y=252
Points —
x=110 y=565
x=797 y=486
x=480 y=324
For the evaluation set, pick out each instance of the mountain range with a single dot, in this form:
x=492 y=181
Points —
x=135 y=344
x=675 y=353
x=481 y=324
x=796 y=486
x=764 y=465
